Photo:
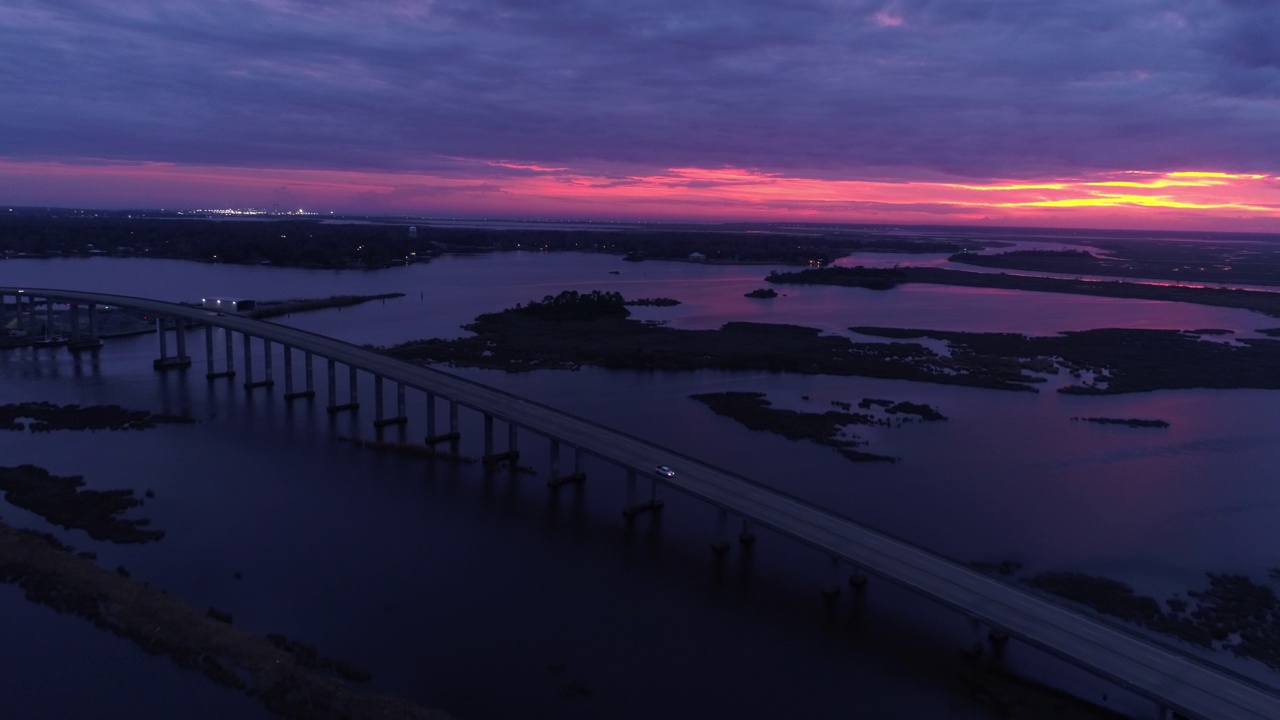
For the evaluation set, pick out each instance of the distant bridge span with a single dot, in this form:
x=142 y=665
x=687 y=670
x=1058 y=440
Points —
x=1175 y=681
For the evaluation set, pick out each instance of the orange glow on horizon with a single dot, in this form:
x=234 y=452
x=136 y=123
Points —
x=510 y=188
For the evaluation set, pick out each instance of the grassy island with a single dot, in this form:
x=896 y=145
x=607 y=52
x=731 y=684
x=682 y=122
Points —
x=63 y=502
x=1234 y=613
x=276 y=308
x=1129 y=422
x=754 y=411
x=1119 y=360
x=574 y=329
x=46 y=417
x=289 y=677
x=1267 y=303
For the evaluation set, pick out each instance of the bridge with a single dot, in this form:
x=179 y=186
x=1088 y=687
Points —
x=1176 y=682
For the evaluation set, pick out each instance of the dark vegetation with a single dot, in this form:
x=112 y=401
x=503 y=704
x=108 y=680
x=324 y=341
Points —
x=288 y=677
x=1231 y=262
x=1122 y=360
x=922 y=410
x=574 y=329
x=63 y=502
x=47 y=417
x=385 y=243
x=654 y=302
x=762 y=294
x=276 y=308
x=1130 y=422
x=1234 y=613
x=1267 y=303
x=753 y=410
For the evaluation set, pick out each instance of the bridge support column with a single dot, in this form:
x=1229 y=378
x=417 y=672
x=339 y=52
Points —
x=289 y=393
x=48 y=317
x=720 y=545
x=229 y=338
x=746 y=537
x=310 y=374
x=556 y=479
x=266 y=363
x=831 y=590
x=654 y=503
x=432 y=436
x=334 y=405
x=93 y=323
x=377 y=400
x=208 y=351
x=431 y=416
x=248 y=362
x=78 y=340
x=266 y=381
x=981 y=636
x=180 y=334
x=379 y=420
x=511 y=454
x=164 y=362
x=858 y=581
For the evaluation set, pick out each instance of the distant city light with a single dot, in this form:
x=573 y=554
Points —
x=252 y=211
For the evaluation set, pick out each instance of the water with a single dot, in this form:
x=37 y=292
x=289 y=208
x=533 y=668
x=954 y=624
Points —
x=460 y=590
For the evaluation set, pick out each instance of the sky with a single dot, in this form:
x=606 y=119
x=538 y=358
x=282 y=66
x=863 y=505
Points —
x=1123 y=113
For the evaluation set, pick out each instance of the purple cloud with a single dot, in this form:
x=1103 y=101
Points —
x=830 y=89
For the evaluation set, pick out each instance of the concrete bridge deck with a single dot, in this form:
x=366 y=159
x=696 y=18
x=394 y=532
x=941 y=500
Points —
x=1174 y=680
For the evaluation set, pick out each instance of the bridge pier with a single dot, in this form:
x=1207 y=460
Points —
x=433 y=437
x=289 y=393
x=633 y=508
x=380 y=421
x=831 y=590
x=577 y=476
x=228 y=338
x=48 y=317
x=334 y=406
x=720 y=545
x=980 y=637
x=249 y=382
x=746 y=537
x=512 y=453
x=310 y=375
x=78 y=340
x=210 y=371
x=858 y=581
x=164 y=362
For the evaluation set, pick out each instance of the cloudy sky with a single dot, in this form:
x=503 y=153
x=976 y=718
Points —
x=1116 y=113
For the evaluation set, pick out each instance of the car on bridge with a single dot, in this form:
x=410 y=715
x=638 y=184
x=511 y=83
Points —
x=665 y=471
